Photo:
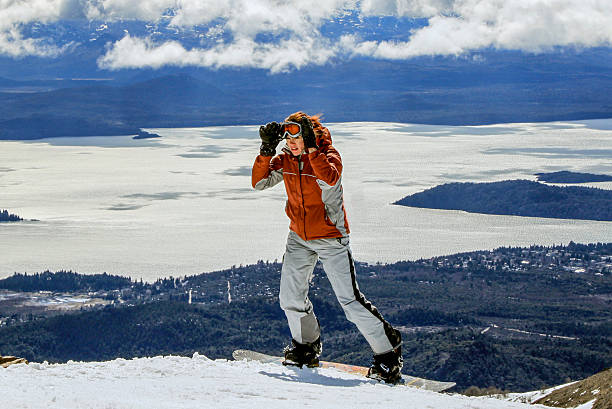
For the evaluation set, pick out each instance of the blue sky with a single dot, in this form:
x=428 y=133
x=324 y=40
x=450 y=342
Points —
x=286 y=35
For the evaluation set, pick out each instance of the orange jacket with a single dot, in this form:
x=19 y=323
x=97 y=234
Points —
x=315 y=204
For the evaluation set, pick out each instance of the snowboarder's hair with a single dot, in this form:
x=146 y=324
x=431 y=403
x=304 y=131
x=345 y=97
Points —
x=315 y=119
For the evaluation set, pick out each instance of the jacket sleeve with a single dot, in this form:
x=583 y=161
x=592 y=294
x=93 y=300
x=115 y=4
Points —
x=326 y=164
x=267 y=172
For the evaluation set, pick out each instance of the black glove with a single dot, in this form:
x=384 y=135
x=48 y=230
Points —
x=270 y=137
x=310 y=140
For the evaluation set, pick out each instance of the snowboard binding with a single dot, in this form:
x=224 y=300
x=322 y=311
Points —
x=298 y=354
x=387 y=367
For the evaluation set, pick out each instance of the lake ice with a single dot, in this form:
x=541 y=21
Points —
x=183 y=204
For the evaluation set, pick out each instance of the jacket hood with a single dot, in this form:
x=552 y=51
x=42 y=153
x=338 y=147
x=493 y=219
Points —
x=325 y=139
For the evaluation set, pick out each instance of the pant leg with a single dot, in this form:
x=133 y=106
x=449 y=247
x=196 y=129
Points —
x=298 y=264
x=335 y=254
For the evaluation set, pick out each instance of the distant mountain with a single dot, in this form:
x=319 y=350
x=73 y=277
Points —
x=517 y=198
x=438 y=91
x=173 y=100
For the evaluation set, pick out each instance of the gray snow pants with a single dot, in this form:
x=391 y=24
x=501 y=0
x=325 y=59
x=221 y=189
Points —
x=335 y=255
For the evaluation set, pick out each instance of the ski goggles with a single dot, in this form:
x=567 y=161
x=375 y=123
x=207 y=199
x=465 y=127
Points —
x=290 y=130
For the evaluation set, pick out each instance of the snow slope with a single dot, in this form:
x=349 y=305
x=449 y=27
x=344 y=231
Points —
x=198 y=382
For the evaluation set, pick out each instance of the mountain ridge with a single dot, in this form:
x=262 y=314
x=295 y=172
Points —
x=180 y=100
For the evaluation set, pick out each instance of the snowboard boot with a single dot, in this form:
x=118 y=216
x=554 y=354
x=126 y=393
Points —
x=307 y=354
x=387 y=367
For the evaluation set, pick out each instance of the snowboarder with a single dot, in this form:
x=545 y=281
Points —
x=311 y=169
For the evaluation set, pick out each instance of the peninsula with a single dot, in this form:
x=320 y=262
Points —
x=517 y=198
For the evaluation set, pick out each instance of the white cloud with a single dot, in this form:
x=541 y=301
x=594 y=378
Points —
x=14 y=13
x=132 y=52
x=14 y=45
x=453 y=27
x=528 y=25
x=146 y=10
x=405 y=8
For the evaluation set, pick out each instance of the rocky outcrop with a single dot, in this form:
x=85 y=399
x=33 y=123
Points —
x=6 y=361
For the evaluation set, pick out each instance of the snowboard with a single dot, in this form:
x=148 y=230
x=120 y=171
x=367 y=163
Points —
x=412 y=381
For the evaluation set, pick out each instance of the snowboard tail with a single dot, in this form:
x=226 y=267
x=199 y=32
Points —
x=413 y=381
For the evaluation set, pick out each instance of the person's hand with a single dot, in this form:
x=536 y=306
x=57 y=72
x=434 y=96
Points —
x=310 y=140
x=270 y=137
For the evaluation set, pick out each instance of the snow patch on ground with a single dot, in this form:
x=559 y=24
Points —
x=198 y=382
x=530 y=397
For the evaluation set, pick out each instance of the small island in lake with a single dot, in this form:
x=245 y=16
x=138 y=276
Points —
x=5 y=216
x=572 y=177
x=146 y=135
x=517 y=198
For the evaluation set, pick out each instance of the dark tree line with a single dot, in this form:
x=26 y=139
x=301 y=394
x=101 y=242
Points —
x=64 y=281
x=5 y=216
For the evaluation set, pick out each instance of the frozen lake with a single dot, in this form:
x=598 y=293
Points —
x=183 y=203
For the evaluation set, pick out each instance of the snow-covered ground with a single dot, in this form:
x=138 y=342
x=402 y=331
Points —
x=198 y=382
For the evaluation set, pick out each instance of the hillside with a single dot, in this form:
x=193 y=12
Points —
x=597 y=387
x=533 y=317
x=517 y=198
